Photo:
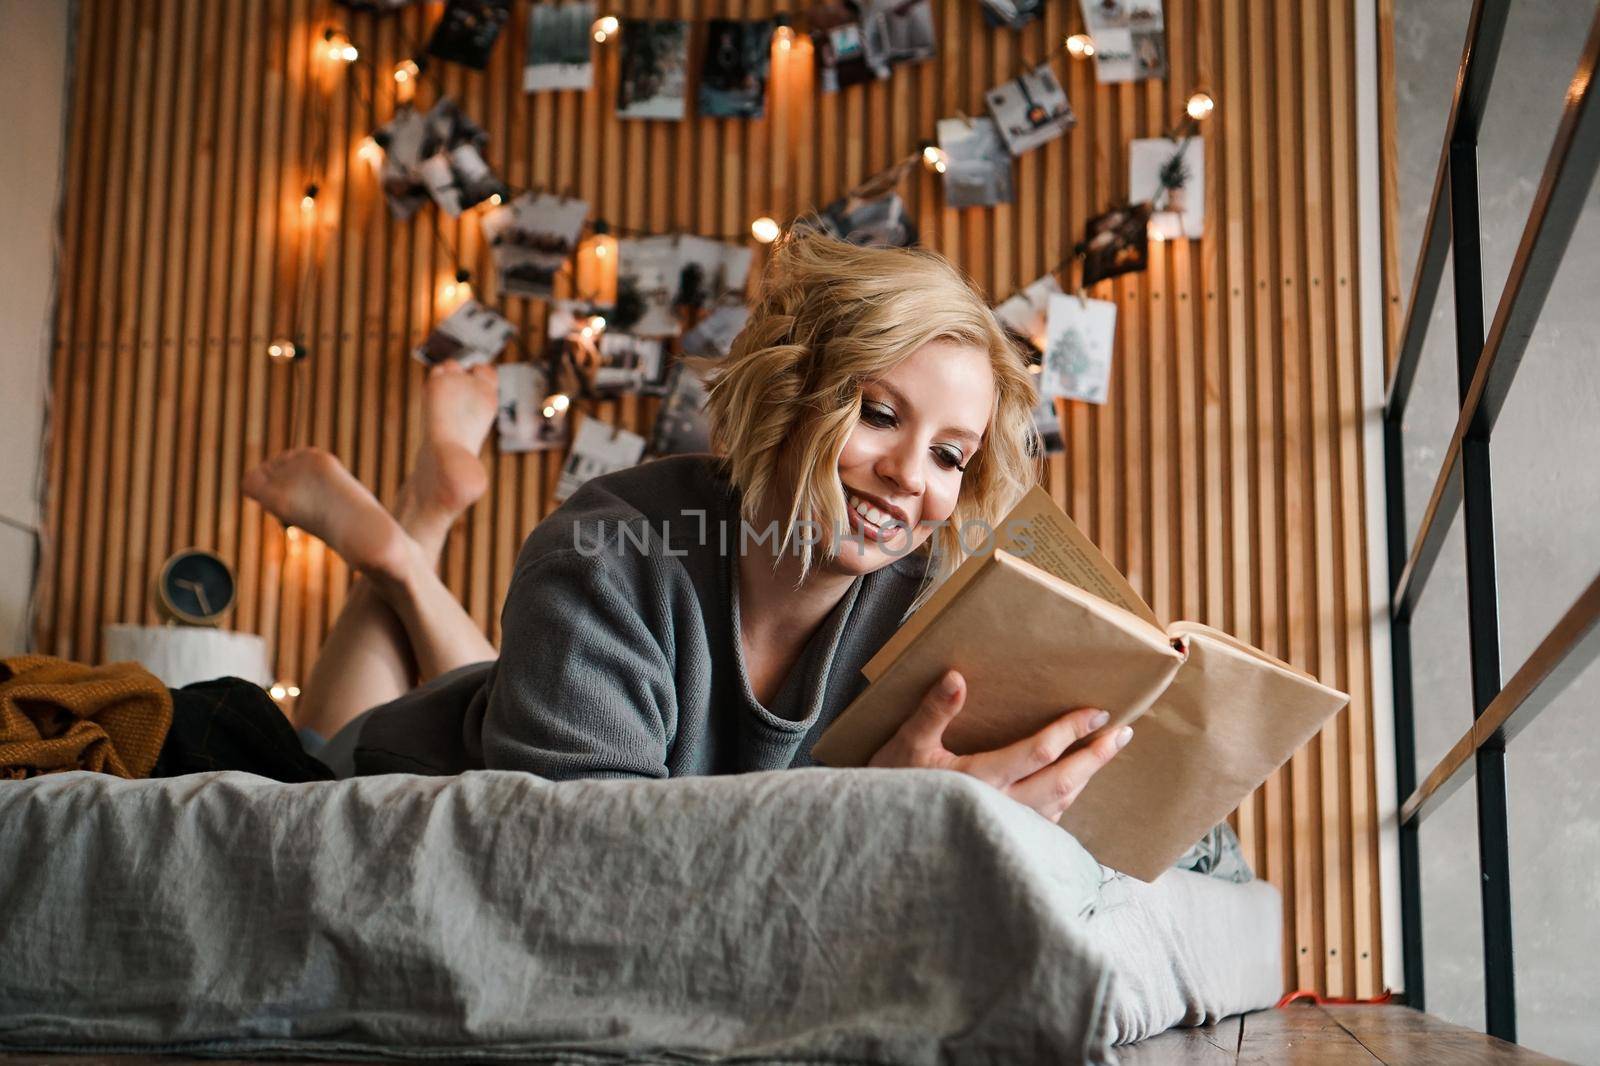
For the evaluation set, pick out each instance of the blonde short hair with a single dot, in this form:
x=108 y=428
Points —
x=831 y=316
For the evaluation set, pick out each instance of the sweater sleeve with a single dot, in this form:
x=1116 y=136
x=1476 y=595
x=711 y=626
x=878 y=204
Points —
x=585 y=685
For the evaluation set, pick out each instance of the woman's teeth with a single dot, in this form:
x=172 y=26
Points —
x=869 y=512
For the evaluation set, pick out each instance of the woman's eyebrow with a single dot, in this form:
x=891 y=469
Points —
x=953 y=431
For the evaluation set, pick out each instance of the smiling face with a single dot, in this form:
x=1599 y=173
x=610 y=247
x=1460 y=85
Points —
x=901 y=468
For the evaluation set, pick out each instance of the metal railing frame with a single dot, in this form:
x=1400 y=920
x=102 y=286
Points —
x=1485 y=365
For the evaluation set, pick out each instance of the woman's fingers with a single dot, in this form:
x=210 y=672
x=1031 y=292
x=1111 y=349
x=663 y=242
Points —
x=920 y=738
x=1012 y=763
x=1050 y=791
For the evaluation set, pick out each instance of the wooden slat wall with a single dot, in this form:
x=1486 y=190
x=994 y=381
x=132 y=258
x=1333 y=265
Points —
x=1224 y=475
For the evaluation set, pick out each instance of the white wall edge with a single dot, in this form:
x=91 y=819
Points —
x=1370 y=252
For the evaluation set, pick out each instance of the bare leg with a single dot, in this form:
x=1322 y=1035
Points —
x=368 y=657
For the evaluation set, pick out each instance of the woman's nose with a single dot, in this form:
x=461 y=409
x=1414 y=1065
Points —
x=902 y=468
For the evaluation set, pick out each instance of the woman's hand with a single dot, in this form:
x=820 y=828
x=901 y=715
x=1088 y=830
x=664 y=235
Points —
x=1033 y=771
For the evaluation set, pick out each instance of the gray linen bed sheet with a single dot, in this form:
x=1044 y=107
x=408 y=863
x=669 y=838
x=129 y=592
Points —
x=807 y=915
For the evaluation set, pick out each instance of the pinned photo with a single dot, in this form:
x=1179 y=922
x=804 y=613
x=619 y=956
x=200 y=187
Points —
x=1031 y=109
x=524 y=423
x=1047 y=437
x=403 y=140
x=654 y=68
x=1171 y=175
x=878 y=221
x=1077 y=357
x=1130 y=38
x=629 y=364
x=713 y=335
x=711 y=272
x=471 y=334
x=898 y=31
x=1013 y=14
x=467 y=31
x=1115 y=242
x=1026 y=313
x=733 y=76
x=558 y=55
x=434 y=155
x=681 y=427
x=977 y=165
x=647 y=280
x=532 y=239
x=599 y=448
x=839 y=42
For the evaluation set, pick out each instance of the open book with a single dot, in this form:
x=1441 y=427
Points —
x=1040 y=622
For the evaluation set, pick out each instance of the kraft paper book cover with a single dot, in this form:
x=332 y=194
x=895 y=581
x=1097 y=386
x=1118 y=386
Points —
x=1040 y=622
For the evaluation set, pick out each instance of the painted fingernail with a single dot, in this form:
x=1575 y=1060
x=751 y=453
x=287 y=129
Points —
x=1124 y=735
x=1098 y=719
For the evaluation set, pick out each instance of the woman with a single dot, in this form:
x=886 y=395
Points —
x=697 y=615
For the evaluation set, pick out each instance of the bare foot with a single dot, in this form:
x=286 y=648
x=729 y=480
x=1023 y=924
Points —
x=458 y=407
x=310 y=488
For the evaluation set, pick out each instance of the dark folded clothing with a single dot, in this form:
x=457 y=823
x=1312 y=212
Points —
x=231 y=724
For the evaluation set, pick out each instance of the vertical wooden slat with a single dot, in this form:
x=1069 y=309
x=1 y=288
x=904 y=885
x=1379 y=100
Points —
x=1223 y=474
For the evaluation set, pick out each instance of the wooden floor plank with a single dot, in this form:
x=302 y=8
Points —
x=1296 y=1035
x=1400 y=1036
x=1206 y=1045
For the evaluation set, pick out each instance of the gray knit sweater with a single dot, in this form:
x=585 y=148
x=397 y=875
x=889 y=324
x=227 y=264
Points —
x=620 y=649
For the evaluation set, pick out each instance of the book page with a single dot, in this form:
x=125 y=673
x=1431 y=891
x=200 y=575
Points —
x=1040 y=532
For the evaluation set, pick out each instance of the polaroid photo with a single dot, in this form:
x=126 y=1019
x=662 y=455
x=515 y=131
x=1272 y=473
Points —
x=522 y=423
x=977 y=164
x=630 y=364
x=1047 y=438
x=1077 y=356
x=733 y=76
x=1115 y=242
x=1012 y=14
x=681 y=427
x=403 y=139
x=906 y=28
x=558 y=43
x=1130 y=38
x=470 y=335
x=713 y=335
x=879 y=221
x=459 y=179
x=565 y=318
x=1171 y=175
x=654 y=69
x=647 y=273
x=839 y=43
x=1026 y=313
x=532 y=239
x=1031 y=109
x=599 y=448
x=467 y=31
x=711 y=272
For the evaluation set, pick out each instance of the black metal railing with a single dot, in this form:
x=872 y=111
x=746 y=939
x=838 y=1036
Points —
x=1485 y=365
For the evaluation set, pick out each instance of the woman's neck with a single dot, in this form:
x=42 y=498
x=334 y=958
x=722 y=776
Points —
x=776 y=607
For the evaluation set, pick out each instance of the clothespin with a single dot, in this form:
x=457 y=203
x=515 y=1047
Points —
x=1083 y=299
x=964 y=117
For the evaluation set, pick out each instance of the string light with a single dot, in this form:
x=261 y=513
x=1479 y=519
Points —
x=340 y=50
x=291 y=534
x=494 y=200
x=308 y=202
x=460 y=288
x=282 y=690
x=783 y=36
x=593 y=327
x=935 y=159
x=1200 y=105
x=604 y=27
x=764 y=229
x=370 y=150
x=283 y=350
x=406 y=70
x=1080 y=46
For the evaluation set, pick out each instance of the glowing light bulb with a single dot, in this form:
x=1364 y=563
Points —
x=294 y=691
x=370 y=151
x=282 y=350
x=604 y=27
x=600 y=251
x=1080 y=46
x=495 y=199
x=560 y=402
x=340 y=50
x=597 y=323
x=1200 y=105
x=935 y=159
x=278 y=691
x=406 y=70
x=765 y=230
x=548 y=412
x=308 y=202
x=783 y=37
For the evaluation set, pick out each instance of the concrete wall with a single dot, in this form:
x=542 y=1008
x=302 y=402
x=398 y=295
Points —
x=33 y=93
x=1547 y=486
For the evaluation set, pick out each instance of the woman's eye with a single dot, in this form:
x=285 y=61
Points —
x=948 y=458
x=876 y=415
